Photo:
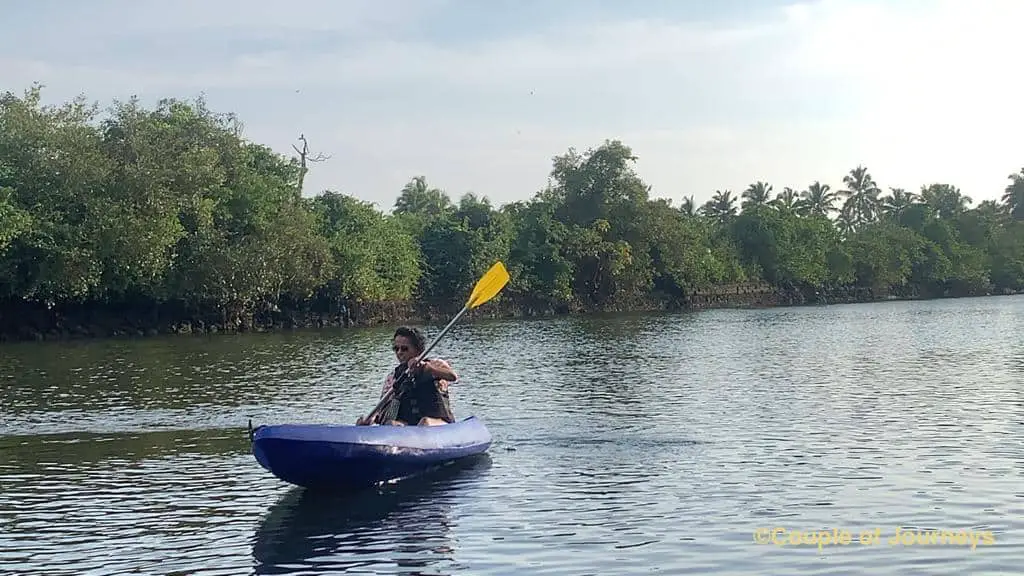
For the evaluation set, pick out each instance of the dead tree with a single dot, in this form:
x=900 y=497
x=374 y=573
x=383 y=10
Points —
x=305 y=158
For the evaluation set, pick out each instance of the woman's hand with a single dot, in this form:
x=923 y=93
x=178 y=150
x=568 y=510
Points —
x=414 y=367
x=436 y=368
x=428 y=367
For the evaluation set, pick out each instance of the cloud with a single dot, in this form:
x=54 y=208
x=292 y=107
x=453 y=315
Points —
x=107 y=18
x=587 y=52
x=918 y=91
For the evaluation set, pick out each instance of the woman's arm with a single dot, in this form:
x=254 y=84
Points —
x=441 y=370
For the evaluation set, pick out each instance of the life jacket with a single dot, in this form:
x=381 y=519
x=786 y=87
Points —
x=424 y=398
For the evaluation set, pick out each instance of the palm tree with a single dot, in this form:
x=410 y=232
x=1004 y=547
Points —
x=945 y=200
x=688 y=206
x=787 y=200
x=757 y=194
x=418 y=198
x=992 y=211
x=897 y=202
x=861 y=194
x=845 y=223
x=1014 y=195
x=721 y=207
x=818 y=200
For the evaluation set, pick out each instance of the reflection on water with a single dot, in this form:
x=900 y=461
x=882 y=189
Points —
x=406 y=526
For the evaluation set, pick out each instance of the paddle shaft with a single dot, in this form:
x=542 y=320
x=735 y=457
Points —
x=390 y=393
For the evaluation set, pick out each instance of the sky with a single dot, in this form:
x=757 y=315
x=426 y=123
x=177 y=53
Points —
x=479 y=96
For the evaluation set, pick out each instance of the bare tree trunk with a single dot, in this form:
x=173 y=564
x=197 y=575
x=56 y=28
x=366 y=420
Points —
x=305 y=158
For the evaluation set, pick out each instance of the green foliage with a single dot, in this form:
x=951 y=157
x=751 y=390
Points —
x=789 y=249
x=374 y=258
x=172 y=204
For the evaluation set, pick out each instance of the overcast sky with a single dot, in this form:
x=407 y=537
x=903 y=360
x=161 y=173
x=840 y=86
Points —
x=480 y=95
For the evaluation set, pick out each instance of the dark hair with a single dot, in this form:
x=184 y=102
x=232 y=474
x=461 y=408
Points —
x=418 y=340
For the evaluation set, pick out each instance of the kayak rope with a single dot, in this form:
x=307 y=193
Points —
x=391 y=412
x=398 y=390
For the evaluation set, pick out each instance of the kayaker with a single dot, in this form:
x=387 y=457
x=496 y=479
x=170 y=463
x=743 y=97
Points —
x=427 y=403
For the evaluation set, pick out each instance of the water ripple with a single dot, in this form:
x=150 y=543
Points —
x=624 y=444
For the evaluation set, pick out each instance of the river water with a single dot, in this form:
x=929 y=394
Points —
x=623 y=444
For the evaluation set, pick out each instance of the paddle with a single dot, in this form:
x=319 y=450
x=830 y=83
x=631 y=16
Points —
x=486 y=288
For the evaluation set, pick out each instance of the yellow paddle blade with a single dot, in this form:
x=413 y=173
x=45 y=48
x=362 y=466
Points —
x=488 y=286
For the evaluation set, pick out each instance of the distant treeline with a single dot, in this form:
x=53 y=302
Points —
x=170 y=206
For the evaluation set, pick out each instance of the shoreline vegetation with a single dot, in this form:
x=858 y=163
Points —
x=132 y=221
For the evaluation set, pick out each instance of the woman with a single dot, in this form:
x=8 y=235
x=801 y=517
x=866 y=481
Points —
x=426 y=403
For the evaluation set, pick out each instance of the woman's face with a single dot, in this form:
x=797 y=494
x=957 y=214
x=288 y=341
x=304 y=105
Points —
x=404 y=350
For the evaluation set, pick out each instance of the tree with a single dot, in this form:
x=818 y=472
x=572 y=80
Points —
x=721 y=207
x=861 y=192
x=144 y=211
x=420 y=199
x=897 y=203
x=787 y=200
x=1013 y=196
x=757 y=194
x=945 y=200
x=818 y=200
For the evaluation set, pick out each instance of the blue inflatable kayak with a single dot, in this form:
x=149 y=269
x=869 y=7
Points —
x=349 y=457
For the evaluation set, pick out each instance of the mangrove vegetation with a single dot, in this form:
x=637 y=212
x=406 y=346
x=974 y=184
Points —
x=126 y=219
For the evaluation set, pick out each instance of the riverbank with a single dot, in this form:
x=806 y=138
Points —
x=31 y=321
x=190 y=213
